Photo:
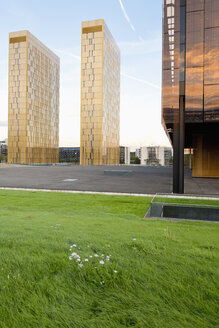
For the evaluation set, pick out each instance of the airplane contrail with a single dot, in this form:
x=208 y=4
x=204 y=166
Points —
x=126 y=15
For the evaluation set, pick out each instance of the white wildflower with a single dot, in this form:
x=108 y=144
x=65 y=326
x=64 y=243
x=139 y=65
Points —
x=74 y=254
x=115 y=271
x=102 y=282
x=80 y=265
x=107 y=258
x=102 y=255
x=101 y=262
x=96 y=255
x=134 y=239
x=76 y=257
x=85 y=260
x=91 y=256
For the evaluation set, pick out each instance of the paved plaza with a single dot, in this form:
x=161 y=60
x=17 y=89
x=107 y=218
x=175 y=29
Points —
x=119 y=179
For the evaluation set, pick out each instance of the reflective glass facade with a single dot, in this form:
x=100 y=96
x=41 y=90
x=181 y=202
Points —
x=33 y=103
x=191 y=48
x=100 y=95
x=202 y=60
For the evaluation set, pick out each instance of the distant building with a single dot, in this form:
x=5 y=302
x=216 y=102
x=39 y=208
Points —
x=156 y=156
x=33 y=102
x=124 y=155
x=100 y=95
x=138 y=153
x=69 y=154
x=3 y=147
x=127 y=155
x=4 y=142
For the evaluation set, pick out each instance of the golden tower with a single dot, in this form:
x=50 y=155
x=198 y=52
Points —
x=100 y=95
x=33 y=101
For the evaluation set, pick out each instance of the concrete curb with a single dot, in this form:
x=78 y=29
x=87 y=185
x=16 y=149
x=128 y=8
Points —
x=179 y=220
x=114 y=193
x=79 y=192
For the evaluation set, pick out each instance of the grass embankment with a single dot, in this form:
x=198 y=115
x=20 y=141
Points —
x=166 y=278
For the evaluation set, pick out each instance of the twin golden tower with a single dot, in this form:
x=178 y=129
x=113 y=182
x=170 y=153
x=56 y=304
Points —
x=33 y=101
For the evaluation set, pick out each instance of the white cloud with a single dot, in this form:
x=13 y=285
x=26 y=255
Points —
x=134 y=44
x=3 y=105
x=141 y=81
x=3 y=62
x=67 y=53
x=140 y=118
x=141 y=47
x=3 y=123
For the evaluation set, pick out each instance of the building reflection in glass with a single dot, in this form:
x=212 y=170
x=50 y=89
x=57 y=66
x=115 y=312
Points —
x=201 y=75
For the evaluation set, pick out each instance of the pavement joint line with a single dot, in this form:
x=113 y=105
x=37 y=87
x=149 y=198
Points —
x=112 y=193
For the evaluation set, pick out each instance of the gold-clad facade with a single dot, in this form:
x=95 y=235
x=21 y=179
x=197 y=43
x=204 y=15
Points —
x=100 y=95
x=33 y=101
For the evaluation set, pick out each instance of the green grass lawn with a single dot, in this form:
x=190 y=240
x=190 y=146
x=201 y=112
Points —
x=166 y=278
x=186 y=201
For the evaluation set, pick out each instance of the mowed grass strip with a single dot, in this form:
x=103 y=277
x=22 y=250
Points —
x=160 y=274
x=187 y=201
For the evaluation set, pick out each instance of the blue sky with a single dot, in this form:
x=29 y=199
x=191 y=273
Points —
x=136 y=26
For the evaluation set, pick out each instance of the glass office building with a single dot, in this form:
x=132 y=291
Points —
x=190 y=93
x=100 y=95
x=33 y=101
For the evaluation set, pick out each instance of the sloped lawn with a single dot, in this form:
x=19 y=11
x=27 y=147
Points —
x=91 y=261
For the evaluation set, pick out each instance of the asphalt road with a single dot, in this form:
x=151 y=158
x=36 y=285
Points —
x=138 y=179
